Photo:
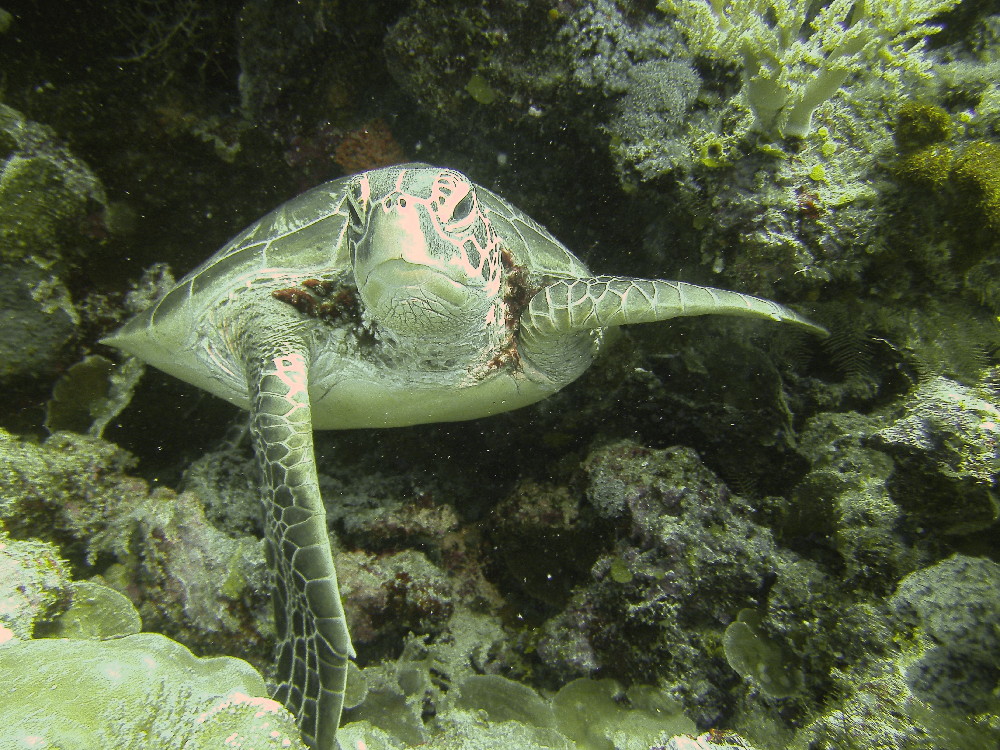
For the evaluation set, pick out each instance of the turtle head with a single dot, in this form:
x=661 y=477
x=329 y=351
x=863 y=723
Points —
x=426 y=257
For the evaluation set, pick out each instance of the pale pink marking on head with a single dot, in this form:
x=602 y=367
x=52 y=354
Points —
x=476 y=243
x=365 y=190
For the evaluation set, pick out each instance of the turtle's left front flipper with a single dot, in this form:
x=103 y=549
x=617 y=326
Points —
x=313 y=644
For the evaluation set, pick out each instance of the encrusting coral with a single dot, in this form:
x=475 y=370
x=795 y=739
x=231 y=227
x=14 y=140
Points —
x=142 y=689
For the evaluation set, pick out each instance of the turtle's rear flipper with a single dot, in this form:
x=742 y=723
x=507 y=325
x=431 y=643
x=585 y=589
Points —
x=313 y=643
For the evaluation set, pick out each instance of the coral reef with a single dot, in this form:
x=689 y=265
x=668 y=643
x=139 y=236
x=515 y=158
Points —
x=185 y=576
x=96 y=612
x=90 y=679
x=758 y=659
x=792 y=541
x=489 y=711
x=649 y=127
x=660 y=599
x=540 y=66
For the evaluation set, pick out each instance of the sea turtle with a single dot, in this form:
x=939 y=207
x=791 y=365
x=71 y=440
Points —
x=397 y=296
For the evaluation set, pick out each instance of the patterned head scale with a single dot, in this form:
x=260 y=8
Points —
x=422 y=239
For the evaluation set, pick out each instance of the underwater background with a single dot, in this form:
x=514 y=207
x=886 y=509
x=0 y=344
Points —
x=725 y=529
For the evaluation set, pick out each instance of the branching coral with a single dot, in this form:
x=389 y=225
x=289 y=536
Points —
x=796 y=54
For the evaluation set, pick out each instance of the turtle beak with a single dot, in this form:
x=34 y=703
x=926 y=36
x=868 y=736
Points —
x=401 y=278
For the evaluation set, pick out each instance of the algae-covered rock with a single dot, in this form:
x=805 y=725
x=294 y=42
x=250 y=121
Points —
x=36 y=316
x=929 y=680
x=688 y=552
x=139 y=691
x=955 y=425
x=52 y=208
x=81 y=387
x=951 y=612
x=197 y=583
x=45 y=191
x=845 y=499
x=34 y=584
x=64 y=488
x=878 y=710
x=946 y=444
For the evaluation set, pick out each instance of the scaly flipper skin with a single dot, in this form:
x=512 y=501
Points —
x=313 y=642
x=556 y=314
x=602 y=301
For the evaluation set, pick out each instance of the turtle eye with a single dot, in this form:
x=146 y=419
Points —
x=462 y=209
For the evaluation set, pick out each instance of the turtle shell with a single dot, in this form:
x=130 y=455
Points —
x=191 y=332
x=530 y=244
x=184 y=332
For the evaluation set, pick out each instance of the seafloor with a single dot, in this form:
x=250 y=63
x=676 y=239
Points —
x=726 y=530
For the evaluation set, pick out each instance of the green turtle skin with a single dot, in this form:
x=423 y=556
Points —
x=398 y=296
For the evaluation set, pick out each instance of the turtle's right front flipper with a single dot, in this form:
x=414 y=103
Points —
x=313 y=644
x=575 y=304
x=551 y=324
